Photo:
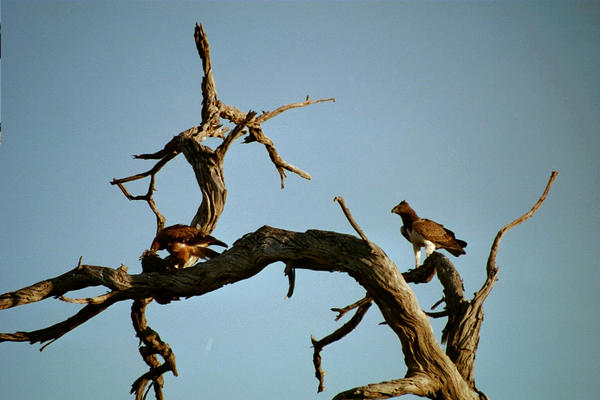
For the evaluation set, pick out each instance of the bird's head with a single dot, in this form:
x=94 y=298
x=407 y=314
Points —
x=401 y=208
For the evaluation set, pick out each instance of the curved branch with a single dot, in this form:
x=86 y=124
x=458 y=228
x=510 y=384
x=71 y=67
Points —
x=313 y=250
x=267 y=115
x=152 y=345
x=418 y=384
x=340 y=333
x=54 y=332
x=491 y=268
x=465 y=318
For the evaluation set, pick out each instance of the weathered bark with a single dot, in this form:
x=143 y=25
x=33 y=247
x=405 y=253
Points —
x=152 y=344
x=314 y=250
x=207 y=165
x=431 y=371
x=465 y=317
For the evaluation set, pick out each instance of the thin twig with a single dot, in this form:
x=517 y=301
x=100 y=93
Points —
x=360 y=232
x=266 y=115
x=290 y=272
x=438 y=314
x=152 y=171
x=256 y=134
x=345 y=329
x=234 y=134
x=491 y=264
x=342 y=311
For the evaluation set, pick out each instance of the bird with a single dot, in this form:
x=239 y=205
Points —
x=426 y=233
x=186 y=244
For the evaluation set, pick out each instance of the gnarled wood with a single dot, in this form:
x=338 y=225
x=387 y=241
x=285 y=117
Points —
x=206 y=163
x=431 y=371
x=314 y=250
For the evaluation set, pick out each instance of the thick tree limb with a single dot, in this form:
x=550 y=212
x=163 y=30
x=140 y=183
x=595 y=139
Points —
x=418 y=384
x=78 y=278
x=314 y=250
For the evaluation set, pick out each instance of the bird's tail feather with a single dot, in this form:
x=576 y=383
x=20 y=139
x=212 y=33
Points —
x=217 y=242
x=210 y=253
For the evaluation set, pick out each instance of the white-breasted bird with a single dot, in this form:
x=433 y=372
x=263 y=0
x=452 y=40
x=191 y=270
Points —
x=426 y=233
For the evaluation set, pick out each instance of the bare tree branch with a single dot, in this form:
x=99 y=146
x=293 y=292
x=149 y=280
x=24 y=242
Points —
x=256 y=134
x=491 y=268
x=290 y=272
x=465 y=318
x=52 y=333
x=342 y=311
x=235 y=134
x=431 y=372
x=78 y=278
x=208 y=169
x=152 y=345
x=342 y=203
x=210 y=107
x=345 y=329
x=418 y=384
x=314 y=250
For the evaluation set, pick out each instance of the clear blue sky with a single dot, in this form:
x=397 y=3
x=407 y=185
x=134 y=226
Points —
x=461 y=108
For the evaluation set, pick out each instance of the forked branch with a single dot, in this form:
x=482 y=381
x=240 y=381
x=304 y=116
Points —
x=339 y=334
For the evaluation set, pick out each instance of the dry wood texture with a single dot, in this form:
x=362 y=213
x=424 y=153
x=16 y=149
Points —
x=431 y=371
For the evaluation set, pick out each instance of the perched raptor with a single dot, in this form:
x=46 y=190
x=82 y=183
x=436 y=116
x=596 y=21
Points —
x=423 y=232
x=186 y=244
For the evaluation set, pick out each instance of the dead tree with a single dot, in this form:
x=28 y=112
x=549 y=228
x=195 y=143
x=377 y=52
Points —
x=432 y=371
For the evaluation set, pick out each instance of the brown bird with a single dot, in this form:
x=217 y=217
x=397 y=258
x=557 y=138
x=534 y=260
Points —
x=186 y=244
x=423 y=232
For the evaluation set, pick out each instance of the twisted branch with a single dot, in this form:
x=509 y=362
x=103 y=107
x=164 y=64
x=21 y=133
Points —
x=152 y=345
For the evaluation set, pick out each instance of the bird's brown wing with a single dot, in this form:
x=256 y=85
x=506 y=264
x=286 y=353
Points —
x=183 y=234
x=171 y=234
x=180 y=233
x=205 y=240
x=439 y=235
